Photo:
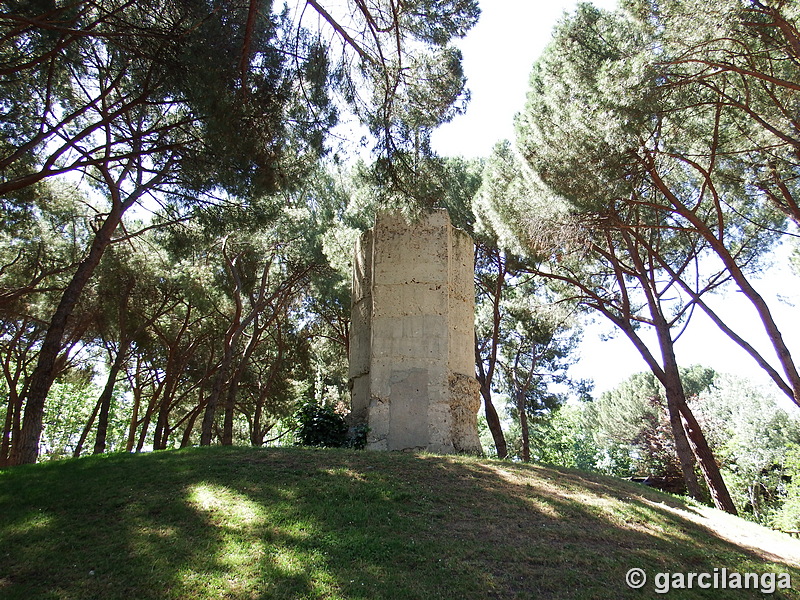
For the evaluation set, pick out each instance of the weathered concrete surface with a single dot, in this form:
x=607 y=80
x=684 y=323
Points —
x=411 y=336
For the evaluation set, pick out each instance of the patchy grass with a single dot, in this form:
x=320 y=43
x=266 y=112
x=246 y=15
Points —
x=239 y=523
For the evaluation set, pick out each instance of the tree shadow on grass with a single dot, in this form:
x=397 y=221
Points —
x=598 y=528
x=258 y=524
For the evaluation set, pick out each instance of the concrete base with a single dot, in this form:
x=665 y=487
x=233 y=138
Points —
x=412 y=336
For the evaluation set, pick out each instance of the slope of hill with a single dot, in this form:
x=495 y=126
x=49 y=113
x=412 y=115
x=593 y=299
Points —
x=240 y=523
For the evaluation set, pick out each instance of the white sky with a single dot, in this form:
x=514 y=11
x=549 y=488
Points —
x=498 y=55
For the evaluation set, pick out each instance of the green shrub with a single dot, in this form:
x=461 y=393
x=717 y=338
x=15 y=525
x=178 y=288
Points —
x=788 y=517
x=357 y=436
x=320 y=425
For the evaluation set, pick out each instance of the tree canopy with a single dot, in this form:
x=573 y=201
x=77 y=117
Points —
x=633 y=176
x=211 y=106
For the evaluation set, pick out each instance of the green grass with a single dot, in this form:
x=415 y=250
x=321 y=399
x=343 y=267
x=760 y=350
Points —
x=239 y=523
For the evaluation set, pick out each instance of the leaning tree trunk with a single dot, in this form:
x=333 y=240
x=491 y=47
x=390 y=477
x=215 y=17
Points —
x=107 y=394
x=492 y=419
x=186 y=438
x=684 y=425
x=87 y=429
x=10 y=431
x=162 y=430
x=718 y=246
x=26 y=451
x=523 y=424
x=683 y=448
x=210 y=413
x=708 y=464
x=676 y=400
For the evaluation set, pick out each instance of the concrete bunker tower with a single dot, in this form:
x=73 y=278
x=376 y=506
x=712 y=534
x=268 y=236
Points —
x=412 y=359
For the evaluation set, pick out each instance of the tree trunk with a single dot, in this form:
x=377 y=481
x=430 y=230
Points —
x=256 y=439
x=221 y=379
x=26 y=451
x=106 y=397
x=230 y=398
x=227 y=422
x=146 y=420
x=233 y=384
x=718 y=246
x=207 y=426
x=708 y=464
x=257 y=432
x=684 y=426
x=494 y=423
x=11 y=425
x=7 y=441
x=492 y=419
x=16 y=422
x=676 y=401
x=523 y=424
x=683 y=448
x=186 y=440
x=161 y=435
x=137 y=402
x=485 y=375
x=86 y=429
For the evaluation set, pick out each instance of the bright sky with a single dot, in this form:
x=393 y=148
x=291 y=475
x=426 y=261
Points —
x=498 y=55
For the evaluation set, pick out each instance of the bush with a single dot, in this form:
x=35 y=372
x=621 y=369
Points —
x=788 y=517
x=322 y=426
x=357 y=436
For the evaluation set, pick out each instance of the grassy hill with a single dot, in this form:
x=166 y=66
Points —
x=240 y=523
